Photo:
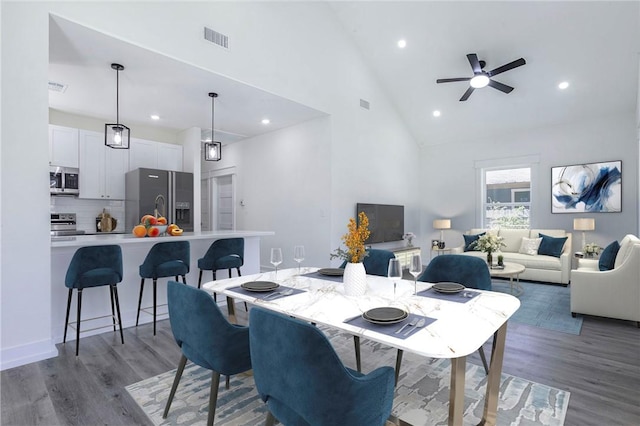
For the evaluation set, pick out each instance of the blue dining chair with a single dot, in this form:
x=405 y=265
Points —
x=166 y=259
x=205 y=338
x=375 y=263
x=94 y=266
x=303 y=381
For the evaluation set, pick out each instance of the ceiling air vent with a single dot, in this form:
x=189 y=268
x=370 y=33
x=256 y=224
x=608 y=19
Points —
x=364 y=104
x=57 y=87
x=216 y=37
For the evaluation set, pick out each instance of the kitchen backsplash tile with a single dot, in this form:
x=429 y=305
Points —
x=87 y=210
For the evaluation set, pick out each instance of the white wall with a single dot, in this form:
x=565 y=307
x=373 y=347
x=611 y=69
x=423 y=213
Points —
x=452 y=191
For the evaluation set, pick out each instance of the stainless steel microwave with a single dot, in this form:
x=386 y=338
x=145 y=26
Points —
x=64 y=180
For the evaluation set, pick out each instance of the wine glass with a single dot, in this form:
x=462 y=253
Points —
x=394 y=272
x=298 y=255
x=276 y=258
x=415 y=269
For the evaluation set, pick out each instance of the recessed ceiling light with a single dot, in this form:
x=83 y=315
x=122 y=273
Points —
x=266 y=121
x=563 y=85
x=436 y=113
x=155 y=117
x=402 y=43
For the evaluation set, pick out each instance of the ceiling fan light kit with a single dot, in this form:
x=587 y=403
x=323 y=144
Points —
x=482 y=78
x=117 y=135
x=212 y=149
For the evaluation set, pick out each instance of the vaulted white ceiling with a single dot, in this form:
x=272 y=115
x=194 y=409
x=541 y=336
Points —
x=592 y=45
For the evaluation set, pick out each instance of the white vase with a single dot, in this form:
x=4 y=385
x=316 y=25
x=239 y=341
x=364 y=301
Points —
x=354 y=279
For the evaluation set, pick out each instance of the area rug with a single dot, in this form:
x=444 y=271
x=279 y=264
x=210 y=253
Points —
x=422 y=395
x=543 y=305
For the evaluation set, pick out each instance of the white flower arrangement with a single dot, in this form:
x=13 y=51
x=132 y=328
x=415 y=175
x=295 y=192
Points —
x=591 y=249
x=408 y=237
x=489 y=243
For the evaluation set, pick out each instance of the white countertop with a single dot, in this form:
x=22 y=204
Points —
x=94 y=240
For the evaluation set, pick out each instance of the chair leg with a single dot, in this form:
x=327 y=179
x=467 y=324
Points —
x=140 y=301
x=213 y=397
x=78 y=321
x=176 y=380
x=115 y=296
x=215 y=295
x=246 y=308
x=66 y=321
x=398 y=364
x=184 y=279
x=356 y=344
x=155 y=299
x=271 y=421
x=227 y=382
x=484 y=360
x=113 y=311
x=200 y=278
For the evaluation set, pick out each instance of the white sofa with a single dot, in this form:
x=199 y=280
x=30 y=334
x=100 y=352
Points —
x=614 y=293
x=538 y=267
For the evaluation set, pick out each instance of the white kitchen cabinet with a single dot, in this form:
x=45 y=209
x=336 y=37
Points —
x=102 y=169
x=155 y=155
x=63 y=146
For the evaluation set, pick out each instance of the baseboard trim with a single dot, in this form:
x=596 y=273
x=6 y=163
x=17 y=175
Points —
x=26 y=354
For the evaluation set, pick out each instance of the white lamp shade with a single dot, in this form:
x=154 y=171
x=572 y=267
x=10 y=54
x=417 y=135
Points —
x=584 y=224
x=442 y=224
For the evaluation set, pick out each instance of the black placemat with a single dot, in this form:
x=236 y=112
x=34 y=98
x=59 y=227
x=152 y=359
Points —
x=451 y=297
x=390 y=329
x=267 y=295
x=320 y=276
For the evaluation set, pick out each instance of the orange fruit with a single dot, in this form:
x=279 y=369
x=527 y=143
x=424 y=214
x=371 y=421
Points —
x=177 y=232
x=139 y=231
x=146 y=217
x=153 y=231
x=171 y=227
x=162 y=220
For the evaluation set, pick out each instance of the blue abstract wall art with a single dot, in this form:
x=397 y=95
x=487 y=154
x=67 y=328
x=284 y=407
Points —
x=593 y=188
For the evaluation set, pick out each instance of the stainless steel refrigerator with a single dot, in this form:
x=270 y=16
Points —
x=171 y=193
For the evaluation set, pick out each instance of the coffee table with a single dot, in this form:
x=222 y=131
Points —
x=511 y=270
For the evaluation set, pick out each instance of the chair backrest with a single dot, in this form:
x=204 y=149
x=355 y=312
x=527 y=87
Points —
x=302 y=379
x=376 y=263
x=225 y=247
x=93 y=257
x=165 y=252
x=204 y=335
x=469 y=271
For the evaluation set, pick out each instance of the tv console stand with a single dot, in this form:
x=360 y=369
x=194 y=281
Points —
x=404 y=254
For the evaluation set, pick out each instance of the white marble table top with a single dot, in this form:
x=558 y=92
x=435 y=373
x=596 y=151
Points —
x=459 y=329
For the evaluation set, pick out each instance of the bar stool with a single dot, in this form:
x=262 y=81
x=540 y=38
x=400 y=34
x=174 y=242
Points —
x=227 y=253
x=167 y=259
x=94 y=266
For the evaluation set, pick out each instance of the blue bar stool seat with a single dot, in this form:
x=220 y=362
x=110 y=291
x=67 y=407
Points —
x=94 y=266
x=166 y=259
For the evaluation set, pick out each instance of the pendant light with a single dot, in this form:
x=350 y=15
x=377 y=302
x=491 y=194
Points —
x=212 y=149
x=117 y=135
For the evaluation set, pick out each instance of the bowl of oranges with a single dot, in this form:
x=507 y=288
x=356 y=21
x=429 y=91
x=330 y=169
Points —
x=152 y=226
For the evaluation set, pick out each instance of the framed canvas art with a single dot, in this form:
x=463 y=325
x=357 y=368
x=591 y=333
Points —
x=593 y=188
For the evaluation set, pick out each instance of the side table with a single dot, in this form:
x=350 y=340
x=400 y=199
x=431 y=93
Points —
x=439 y=251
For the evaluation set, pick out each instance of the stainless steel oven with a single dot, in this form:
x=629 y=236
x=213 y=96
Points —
x=64 y=224
x=64 y=180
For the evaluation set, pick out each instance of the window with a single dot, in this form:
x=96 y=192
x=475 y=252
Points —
x=507 y=197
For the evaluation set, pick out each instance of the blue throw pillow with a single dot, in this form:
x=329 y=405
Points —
x=608 y=256
x=469 y=239
x=551 y=246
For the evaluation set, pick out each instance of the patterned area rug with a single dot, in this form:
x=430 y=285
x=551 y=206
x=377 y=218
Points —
x=546 y=306
x=422 y=395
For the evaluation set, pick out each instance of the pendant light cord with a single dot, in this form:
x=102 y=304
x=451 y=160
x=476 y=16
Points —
x=118 y=97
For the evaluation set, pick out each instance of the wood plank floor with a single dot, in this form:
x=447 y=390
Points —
x=601 y=369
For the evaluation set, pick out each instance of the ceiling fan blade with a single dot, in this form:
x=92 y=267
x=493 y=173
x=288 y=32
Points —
x=467 y=94
x=475 y=63
x=502 y=87
x=450 y=80
x=511 y=65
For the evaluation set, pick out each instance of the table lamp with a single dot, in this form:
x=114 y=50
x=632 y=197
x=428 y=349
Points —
x=584 y=224
x=442 y=224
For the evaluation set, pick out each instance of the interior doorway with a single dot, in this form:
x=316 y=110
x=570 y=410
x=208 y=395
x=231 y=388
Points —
x=218 y=200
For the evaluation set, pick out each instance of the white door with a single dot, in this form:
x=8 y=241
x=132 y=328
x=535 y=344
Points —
x=226 y=219
x=205 y=205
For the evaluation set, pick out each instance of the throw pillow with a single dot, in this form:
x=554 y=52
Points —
x=551 y=246
x=530 y=246
x=469 y=239
x=608 y=256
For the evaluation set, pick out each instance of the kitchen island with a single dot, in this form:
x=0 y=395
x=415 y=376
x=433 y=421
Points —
x=95 y=301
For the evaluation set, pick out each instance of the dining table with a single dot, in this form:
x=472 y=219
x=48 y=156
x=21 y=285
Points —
x=456 y=323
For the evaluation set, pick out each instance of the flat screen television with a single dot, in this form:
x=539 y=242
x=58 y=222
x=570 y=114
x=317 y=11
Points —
x=386 y=222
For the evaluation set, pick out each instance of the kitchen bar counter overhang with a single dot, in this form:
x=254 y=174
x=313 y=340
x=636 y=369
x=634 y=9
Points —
x=95 y=302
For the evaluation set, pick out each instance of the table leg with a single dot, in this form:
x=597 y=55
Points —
x=231 y=310
x=493 y=380
x=456 y=392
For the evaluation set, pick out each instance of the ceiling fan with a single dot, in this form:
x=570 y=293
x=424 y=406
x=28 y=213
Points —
x=482 y=78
